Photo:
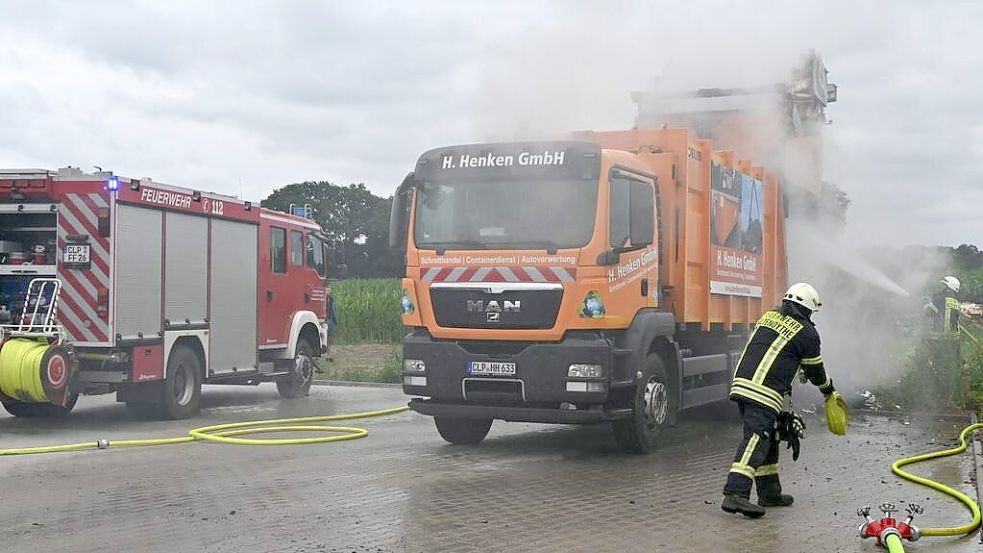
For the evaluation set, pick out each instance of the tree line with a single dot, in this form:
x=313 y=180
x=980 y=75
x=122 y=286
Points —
x=355 y=223
x=966 y=262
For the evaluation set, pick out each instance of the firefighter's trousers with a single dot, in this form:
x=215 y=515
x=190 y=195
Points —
x=757 y=456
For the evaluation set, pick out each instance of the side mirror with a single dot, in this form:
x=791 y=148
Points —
x=399 y=217
x=641 y=219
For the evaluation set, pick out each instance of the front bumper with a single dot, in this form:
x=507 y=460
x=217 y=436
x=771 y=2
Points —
x=533 y=394
x=324 y=336
x=516 y=413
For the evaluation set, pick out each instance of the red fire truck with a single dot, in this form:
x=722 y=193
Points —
x=111 y=284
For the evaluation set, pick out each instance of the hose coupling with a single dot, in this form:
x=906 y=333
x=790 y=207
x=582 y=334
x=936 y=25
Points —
x=889 y=525
x=102 y=444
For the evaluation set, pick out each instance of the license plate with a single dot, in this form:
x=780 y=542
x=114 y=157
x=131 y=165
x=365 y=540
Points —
x=76 y=254
x=491 y=368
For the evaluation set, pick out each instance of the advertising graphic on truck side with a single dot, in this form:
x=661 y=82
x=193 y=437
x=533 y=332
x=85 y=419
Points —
x=612 y=278
x=736 y=232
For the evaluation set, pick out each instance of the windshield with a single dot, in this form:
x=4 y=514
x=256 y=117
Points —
x=506 y=214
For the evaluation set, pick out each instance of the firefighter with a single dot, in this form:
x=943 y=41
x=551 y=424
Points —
x=332 y=320
x=944 y=307
x=783 y=340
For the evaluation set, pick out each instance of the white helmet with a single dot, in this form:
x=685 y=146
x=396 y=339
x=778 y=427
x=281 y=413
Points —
x=951 y=283
x=805 y=295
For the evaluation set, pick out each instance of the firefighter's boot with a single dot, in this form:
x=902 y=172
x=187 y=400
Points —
x=743 y=505
x=770 y=492
x=780 y=500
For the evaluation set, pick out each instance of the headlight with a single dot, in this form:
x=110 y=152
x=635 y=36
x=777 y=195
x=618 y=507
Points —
x=407 y=303
x=579 y=370
x=414 y=366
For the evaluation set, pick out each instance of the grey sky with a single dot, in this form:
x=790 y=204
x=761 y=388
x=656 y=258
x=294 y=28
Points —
x=214 y=94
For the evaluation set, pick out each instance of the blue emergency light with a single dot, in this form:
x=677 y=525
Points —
x=112 y=184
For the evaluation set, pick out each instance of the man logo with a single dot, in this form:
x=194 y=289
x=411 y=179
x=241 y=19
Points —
x=493 y=309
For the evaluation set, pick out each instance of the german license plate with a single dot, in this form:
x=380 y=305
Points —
x=491 y=368
x=76 y=254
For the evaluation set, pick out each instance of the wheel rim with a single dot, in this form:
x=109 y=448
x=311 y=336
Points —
x=303 y=368
x=183 y=386
x=656 y=403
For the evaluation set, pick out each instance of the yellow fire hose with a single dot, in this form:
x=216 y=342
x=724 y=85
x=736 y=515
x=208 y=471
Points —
x=894 y=545
x=230 y=434
x=20 y=370
x=20 y=378
x=966 y=500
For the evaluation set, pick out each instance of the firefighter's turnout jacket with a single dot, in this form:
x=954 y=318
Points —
x=945 y=311
x=779 y=345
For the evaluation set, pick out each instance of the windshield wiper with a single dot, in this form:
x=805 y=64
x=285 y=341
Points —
x=442 y=247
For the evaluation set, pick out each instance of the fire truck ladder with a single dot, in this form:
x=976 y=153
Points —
x=39 y=316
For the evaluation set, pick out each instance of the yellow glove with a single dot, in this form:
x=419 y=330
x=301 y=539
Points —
x=837 y=414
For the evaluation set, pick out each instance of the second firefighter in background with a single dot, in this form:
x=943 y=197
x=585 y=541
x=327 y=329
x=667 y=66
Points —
x=783 y=341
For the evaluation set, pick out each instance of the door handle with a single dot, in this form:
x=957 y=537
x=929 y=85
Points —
x=269 y=295
x=645 y=287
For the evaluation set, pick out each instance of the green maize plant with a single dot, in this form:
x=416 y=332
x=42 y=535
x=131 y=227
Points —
x=368 y=311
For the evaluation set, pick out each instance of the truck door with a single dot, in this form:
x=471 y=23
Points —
x=633 y=280
x=275 y=290
x=316 y=276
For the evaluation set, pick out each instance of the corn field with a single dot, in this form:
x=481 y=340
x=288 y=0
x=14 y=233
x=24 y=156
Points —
x=368 y=311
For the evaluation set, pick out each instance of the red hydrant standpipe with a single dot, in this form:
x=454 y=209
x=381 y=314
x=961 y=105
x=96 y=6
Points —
x=889 y=531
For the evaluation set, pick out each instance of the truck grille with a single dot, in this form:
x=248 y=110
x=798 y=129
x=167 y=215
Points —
x=519 y=307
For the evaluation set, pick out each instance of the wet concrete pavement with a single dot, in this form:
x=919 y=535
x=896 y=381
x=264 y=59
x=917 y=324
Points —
x=526 y=488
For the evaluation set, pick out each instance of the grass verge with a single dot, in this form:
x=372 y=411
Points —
x=362 y=363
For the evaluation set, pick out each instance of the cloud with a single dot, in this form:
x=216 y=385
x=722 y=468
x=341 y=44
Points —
x=266 y=93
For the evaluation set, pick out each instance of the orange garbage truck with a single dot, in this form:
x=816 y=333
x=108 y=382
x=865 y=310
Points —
x=612 y=277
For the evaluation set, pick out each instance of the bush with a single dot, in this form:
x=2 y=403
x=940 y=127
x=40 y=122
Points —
x=973 y=370
x=933 y=374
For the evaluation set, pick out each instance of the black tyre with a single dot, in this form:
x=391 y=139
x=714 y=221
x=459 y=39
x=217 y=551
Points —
x=463 y=431
x=653 y=404
x=180 y=393
x=39 y=410
x=298 y=383
x=143 y=410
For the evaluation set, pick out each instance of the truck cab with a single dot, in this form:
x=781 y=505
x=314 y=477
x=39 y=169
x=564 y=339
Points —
x=538 y=288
